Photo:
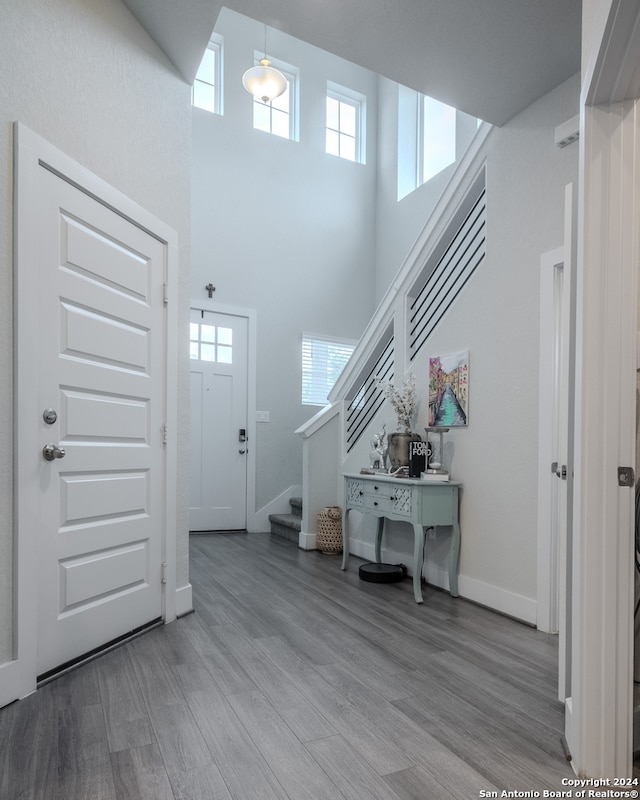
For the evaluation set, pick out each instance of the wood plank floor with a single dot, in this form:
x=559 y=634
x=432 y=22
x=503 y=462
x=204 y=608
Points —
x=296 y=681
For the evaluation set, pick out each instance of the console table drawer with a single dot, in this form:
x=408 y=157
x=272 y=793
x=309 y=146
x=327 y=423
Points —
x=381 y=498
x=385 y=490
x=378 y=503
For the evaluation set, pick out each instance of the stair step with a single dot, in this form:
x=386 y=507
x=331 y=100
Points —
x=296 y=505
x=287 y=526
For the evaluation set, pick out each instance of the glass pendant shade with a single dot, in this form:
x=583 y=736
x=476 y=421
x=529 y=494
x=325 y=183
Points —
x=264 y=82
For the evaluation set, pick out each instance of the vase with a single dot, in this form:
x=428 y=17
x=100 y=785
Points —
x=398 y=448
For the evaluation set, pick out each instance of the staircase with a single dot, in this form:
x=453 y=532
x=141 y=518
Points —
x=288 y=526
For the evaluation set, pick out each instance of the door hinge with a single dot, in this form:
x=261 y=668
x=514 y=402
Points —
x=164 y=572
x=165 y=294
x=164 y=434
x=625 y=476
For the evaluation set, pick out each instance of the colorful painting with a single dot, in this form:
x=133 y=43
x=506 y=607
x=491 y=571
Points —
x=449 y=390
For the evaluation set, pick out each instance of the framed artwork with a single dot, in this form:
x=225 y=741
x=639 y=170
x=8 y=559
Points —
x=449 y=390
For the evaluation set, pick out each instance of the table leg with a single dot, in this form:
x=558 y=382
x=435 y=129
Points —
x=345 y=538
x=418 y=548
x=454 y=555
x=379 y=539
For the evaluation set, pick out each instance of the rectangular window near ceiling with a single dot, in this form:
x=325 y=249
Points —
x=345 y=123
x=323 y=359
x=431 y=137
x=206 y=92
x=279 y=117
x=438 y=139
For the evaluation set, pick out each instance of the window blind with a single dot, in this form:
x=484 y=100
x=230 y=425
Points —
x=323 y=359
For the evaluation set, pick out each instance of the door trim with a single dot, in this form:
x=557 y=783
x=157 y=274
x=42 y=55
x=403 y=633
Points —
x=547 y=595
x=600 y=730
x=31 y=153
x=600 y=737
x=205 y=304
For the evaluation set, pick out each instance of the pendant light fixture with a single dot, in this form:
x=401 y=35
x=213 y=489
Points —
x=264 y=82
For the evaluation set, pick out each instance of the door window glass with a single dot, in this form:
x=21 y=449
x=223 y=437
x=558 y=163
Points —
x=210 y=343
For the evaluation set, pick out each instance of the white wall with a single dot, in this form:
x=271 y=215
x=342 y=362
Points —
x=283 y=228
x=86 y=77
x=496 y=318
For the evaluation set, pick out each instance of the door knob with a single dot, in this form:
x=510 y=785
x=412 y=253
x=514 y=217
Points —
x=52 y=451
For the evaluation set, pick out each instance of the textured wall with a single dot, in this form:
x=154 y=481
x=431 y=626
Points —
x=84 y=75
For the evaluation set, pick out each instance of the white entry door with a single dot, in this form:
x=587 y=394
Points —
x=219 y=446
x=100 y=351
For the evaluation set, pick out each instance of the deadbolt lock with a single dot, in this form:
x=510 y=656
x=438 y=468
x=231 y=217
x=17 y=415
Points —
x=49 y=415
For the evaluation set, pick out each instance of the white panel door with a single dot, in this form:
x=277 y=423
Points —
x=101 y=359
x=219 y=356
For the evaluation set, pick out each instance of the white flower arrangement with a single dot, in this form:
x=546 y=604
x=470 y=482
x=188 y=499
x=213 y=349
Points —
x=403 y=400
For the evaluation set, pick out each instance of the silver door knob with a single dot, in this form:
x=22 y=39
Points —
x=52 y=451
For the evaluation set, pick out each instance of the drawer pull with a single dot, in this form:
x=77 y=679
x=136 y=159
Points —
x=375 y=502
x=376 y=488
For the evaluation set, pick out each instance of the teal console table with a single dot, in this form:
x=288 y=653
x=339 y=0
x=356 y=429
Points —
x=424 y=504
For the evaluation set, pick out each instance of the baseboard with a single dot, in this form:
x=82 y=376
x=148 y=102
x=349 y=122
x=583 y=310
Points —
x=184 y=600
x=485 y=594
x=307 y=541
x=259 y=522
x=498 y=599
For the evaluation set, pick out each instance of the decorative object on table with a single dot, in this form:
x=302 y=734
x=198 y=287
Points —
x=418 y=458
x=435 y=466
x=398 y=450
x=403 y=401
x=449 y=390
x=329 y=530
x=378 y=452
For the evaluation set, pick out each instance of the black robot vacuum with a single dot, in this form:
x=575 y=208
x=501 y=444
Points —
x=382 y=573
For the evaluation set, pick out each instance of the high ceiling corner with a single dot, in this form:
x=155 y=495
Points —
x=490 y=59
x=181 y=29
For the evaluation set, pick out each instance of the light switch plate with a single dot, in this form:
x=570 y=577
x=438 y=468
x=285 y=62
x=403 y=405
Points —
x=263 y=416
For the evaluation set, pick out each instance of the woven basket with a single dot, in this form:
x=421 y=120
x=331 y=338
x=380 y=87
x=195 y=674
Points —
x=329 y=530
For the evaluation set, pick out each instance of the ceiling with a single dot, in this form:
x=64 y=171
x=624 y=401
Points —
x=490 y=58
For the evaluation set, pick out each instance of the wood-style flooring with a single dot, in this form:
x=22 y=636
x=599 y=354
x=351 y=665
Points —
x=294 y=680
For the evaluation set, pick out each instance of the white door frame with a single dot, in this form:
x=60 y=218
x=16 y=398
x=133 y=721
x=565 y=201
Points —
x=547 y=578
x=18 y=677
x=600 y=725
x=207 y=304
